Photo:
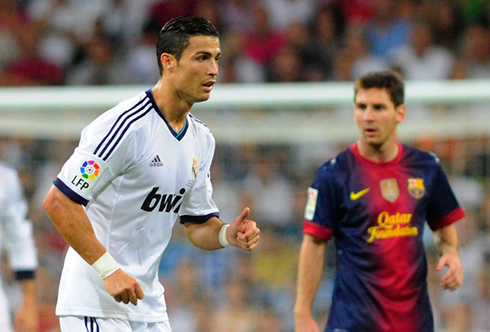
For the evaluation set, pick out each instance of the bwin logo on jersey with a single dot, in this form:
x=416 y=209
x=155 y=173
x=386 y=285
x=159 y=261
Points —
x=165 y=202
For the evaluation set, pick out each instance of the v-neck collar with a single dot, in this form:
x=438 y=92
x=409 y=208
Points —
x=178 y=135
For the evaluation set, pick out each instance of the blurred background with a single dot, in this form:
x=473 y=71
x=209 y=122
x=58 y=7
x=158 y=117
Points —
x=282 y=108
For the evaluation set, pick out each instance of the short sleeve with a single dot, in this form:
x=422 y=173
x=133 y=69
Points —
x=443 y=208
x=103 y=153
x=198 y=205
x=320 y=211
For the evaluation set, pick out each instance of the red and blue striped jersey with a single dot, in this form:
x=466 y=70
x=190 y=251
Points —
x=376 y=214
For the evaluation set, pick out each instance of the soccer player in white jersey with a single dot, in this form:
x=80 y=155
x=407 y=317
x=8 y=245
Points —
x=22 y=254
x=139 y=168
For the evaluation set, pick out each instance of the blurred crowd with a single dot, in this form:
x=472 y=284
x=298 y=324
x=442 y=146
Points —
x=108 y=42
x=94 y=42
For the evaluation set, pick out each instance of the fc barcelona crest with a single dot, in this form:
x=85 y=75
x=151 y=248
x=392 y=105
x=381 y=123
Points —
x=416 y=187
x=389 y=190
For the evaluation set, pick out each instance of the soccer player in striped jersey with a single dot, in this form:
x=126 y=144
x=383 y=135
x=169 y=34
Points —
x=16 y=232
x=139 y=168
x=373 y=199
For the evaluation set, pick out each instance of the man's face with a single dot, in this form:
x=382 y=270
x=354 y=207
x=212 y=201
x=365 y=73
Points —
x=194 y=75
x=377 y=117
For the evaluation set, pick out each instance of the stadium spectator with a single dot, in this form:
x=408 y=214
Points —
x=284 y=12
x=11 y=23
x=480 y=319
x=324 y=43
x=161 y=11
x=475 y=53
x=100 y=66
x=185 y=295
x=30 y=68
x=236 y=15
x=447 y=25
x=362 y=61
x=260 y=47
x=386 y=30
x=237 y=313
x=420 y=58
x=140 y=59
x=65 y=25
x=286 y=66
x=268 y=190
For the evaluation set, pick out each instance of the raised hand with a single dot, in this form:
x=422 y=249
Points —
x=242 y=232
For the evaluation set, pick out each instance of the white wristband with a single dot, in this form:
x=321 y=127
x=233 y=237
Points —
x=222 y=236
x=105 y=265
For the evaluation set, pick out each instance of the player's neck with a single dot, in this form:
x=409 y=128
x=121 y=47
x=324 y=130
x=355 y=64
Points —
x=379 y=154
x=174 y=109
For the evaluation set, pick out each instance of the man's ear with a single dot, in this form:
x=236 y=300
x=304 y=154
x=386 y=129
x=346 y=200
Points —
x=401 y=112
x=168 y=62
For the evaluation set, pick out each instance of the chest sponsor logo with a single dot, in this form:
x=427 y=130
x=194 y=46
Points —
x=389 y=190
x=416 y=187
x=355 y=196
x=164 y=202
x=390 y=226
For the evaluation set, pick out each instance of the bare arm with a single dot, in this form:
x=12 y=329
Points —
x=310 y=270
x=241 y=233
x=72 y=223
x=446 y=241
x=26 y=317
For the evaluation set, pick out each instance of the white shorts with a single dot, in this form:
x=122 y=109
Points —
x=91 y=324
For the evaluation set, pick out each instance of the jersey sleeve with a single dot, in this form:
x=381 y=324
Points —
x=103 y=152
x=17 y=231
x=443 y=208
x=198 y=205
x=320 y=211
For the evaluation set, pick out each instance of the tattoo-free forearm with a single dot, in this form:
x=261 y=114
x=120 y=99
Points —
x=310 y=270
x=446 y=240
x=72 y=223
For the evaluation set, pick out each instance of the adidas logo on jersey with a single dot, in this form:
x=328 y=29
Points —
x=156 y=162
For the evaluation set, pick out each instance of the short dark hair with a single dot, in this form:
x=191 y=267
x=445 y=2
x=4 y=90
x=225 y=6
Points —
x=388 y=80
x=174 y=36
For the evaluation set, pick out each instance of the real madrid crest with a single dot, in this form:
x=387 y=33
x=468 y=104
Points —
x=416 y=187
x=194 y=168
x=389 y=190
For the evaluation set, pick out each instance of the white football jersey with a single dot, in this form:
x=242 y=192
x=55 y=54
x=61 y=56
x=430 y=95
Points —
x=16 y=233
x=136 y=177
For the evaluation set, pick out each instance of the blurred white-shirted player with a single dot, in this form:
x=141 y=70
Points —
x=139 y=168
x=22 y=254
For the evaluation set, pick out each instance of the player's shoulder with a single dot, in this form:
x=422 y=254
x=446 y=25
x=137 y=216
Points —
x=336 y=164
x=133 y=108
x=126 y=115
x=199 y=126
x=416 y=154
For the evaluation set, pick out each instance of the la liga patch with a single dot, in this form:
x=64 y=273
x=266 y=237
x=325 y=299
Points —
x=90 y=169
x=311 y=204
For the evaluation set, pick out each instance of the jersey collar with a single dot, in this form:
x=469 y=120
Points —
x=177 y=135
x=356 y=153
